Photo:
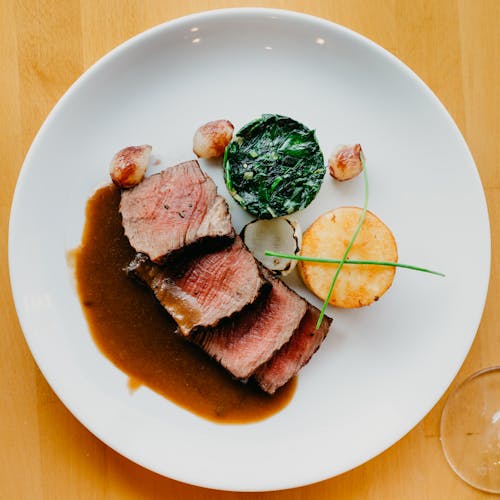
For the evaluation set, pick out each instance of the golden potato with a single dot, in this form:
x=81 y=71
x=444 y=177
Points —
x=357 y=284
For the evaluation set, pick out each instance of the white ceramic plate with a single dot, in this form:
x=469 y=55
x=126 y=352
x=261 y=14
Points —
x=382 y=368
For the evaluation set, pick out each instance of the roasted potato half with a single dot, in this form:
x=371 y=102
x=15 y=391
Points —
x=357 y=284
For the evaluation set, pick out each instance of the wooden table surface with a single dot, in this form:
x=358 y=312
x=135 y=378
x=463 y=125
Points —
x=453 y=45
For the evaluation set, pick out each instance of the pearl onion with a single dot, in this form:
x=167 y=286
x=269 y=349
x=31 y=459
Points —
x=345 y=162
x=211 y=139
x=129 y=165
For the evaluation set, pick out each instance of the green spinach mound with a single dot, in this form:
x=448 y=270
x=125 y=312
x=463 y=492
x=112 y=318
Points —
x=273 y=166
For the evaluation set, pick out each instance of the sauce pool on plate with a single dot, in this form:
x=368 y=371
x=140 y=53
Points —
x=134 y=331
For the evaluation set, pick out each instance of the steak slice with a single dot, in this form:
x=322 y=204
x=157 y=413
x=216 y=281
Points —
x=201 y=291
x=171 y=211
x=248 y=340
x=295 y=354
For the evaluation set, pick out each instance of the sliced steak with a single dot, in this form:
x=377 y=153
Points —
x=173 y=211
x=249 y=339
x=294 y=354
x=201 y=291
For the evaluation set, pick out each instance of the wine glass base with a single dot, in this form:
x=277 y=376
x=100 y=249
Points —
x=470 y=430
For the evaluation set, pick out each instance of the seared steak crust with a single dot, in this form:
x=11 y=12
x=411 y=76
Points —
x=200 y=292
x=249 y=339
x=221 y=298
x=170 y=212
x=295 y=354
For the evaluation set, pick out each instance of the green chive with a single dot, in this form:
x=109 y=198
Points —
x=349 y=246
x=337 y=261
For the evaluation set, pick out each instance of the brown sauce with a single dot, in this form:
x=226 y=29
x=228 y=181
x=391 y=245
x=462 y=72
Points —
x=132 y=329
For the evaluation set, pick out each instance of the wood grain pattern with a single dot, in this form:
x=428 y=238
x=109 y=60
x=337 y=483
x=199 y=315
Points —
x=46 y=44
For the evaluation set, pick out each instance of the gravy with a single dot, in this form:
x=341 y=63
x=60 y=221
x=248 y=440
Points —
x=134 y=331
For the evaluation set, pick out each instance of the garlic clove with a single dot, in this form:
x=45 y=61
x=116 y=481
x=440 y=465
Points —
x=345 y=163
